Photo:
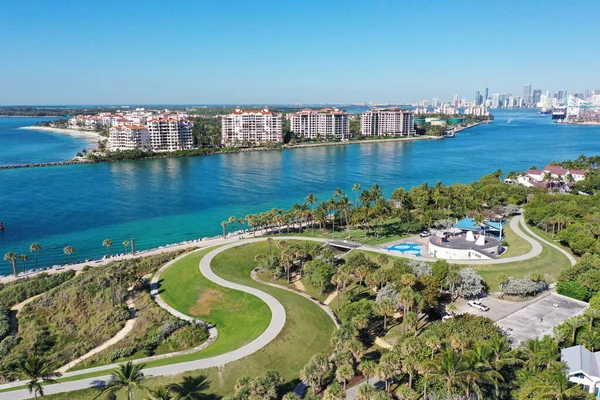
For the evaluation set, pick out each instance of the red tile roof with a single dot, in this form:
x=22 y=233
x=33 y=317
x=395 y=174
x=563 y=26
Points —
x=535 y=172
x=556 y=169
x=577 y=172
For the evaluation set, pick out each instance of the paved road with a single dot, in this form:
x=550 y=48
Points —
x=572 y=259
x=277 y=323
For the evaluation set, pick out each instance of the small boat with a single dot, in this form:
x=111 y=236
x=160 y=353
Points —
x=510 y=121
x=449 y=134
x=1 y=226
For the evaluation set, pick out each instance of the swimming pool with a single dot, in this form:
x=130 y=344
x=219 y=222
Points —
x=407 y=248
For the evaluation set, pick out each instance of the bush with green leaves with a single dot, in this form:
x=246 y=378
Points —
x=572 y=289
x=8 y=343
x=420 y=268
x=4 y=321
x=17 y=291
x=524 y=287
x=471 y=283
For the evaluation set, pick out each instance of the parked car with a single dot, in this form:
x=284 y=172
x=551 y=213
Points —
x=478 y=305
x=424 y=234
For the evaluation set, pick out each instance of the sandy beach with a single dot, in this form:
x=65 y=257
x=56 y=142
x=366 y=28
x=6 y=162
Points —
x=88 y=135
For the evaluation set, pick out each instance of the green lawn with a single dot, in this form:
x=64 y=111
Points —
x=516 y=244
x=307 y=331
x=548 y=237
x=239 y=317
x=310 y=288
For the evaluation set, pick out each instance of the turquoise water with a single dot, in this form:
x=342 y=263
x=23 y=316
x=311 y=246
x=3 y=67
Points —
x=171 y=200
x=18 y=146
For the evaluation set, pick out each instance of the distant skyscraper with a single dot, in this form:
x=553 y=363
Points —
x=486 y=94
x=526 y=95
x=537 y=94
x=561 y=95
x=597 y=91
x=477 y=98
x=495 y=100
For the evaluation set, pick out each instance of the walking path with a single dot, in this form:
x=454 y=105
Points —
x=324 y=307
x=115 y=339
x=572 y=259
x=330 y=298
x=278 y=319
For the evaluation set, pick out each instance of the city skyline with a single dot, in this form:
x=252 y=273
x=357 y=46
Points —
x=272 y=53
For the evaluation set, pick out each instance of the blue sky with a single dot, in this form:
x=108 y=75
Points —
x=238 y=52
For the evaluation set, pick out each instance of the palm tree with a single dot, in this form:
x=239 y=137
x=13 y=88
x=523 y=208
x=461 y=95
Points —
x=366 y=392
x=311 y=200
x=356 y=188
x=23 y=258
x=36 y=370
x=126 y=244
x=68 y=250
x=35 y=248
x=574 y=323
x=310 y=376
x=127 y=376
x=385 y=307
x=551 y=384
x=224 y=225
x=591 y=314
x=367 y=368
x=502 y=280
x=12 y=259
x=591 y=339
x=450 y=370
x=107 y=243
x=190 y=388
x=232 y=220
x=160 y=393
x=343 y=374
x=385 y=371
x=334 y=392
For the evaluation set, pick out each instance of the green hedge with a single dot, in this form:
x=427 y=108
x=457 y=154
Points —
x=572 y=289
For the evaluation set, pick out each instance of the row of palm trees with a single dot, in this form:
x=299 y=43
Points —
x=108 y=243
x=35 y=248
x=129 y=377
x=336 y=210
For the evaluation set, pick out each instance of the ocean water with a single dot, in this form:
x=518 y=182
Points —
x=18 y=146
x=171 y=200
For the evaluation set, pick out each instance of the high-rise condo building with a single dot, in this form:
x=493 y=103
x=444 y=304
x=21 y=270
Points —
x=170 y=132
x=128 y=138
x=486 y=94
x=251 y=127
x=328 y=123
x=387 y=122
x=477 y=95
x=527 y=95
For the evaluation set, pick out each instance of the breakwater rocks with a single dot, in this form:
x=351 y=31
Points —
x=48 y=164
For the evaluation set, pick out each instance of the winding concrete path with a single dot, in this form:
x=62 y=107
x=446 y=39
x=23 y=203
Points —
x=572 y=259
x=278 y=318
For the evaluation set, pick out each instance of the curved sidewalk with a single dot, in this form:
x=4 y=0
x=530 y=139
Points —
x=572 y=259
x=278 y=318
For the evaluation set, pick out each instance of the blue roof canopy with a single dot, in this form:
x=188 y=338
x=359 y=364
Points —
x=468 y=224
x=495 y=225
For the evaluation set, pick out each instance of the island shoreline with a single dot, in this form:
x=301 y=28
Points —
x=168 y=155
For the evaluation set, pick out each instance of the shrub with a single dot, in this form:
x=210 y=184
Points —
x=22 y=289
x=420 y=268
x=122 y=353
x=524 y=287
x=4 y=322
x=572 y=289
x=7 y=343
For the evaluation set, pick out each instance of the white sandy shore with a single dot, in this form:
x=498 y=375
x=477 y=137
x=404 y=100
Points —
x=88 y=135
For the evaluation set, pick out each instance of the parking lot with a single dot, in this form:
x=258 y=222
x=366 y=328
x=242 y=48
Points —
x=528 y=319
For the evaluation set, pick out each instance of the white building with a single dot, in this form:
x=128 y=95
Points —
x=328 y=123
x=129 y=138
x=251 y=127
x=387 y=122
x=170 y=132
x=479 y=111
x=583 y=368
x=446 y=110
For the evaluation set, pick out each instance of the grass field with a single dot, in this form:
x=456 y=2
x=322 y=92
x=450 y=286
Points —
x=516 y=245
x=239 y=317
x=548 y=237
x=306 y=332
